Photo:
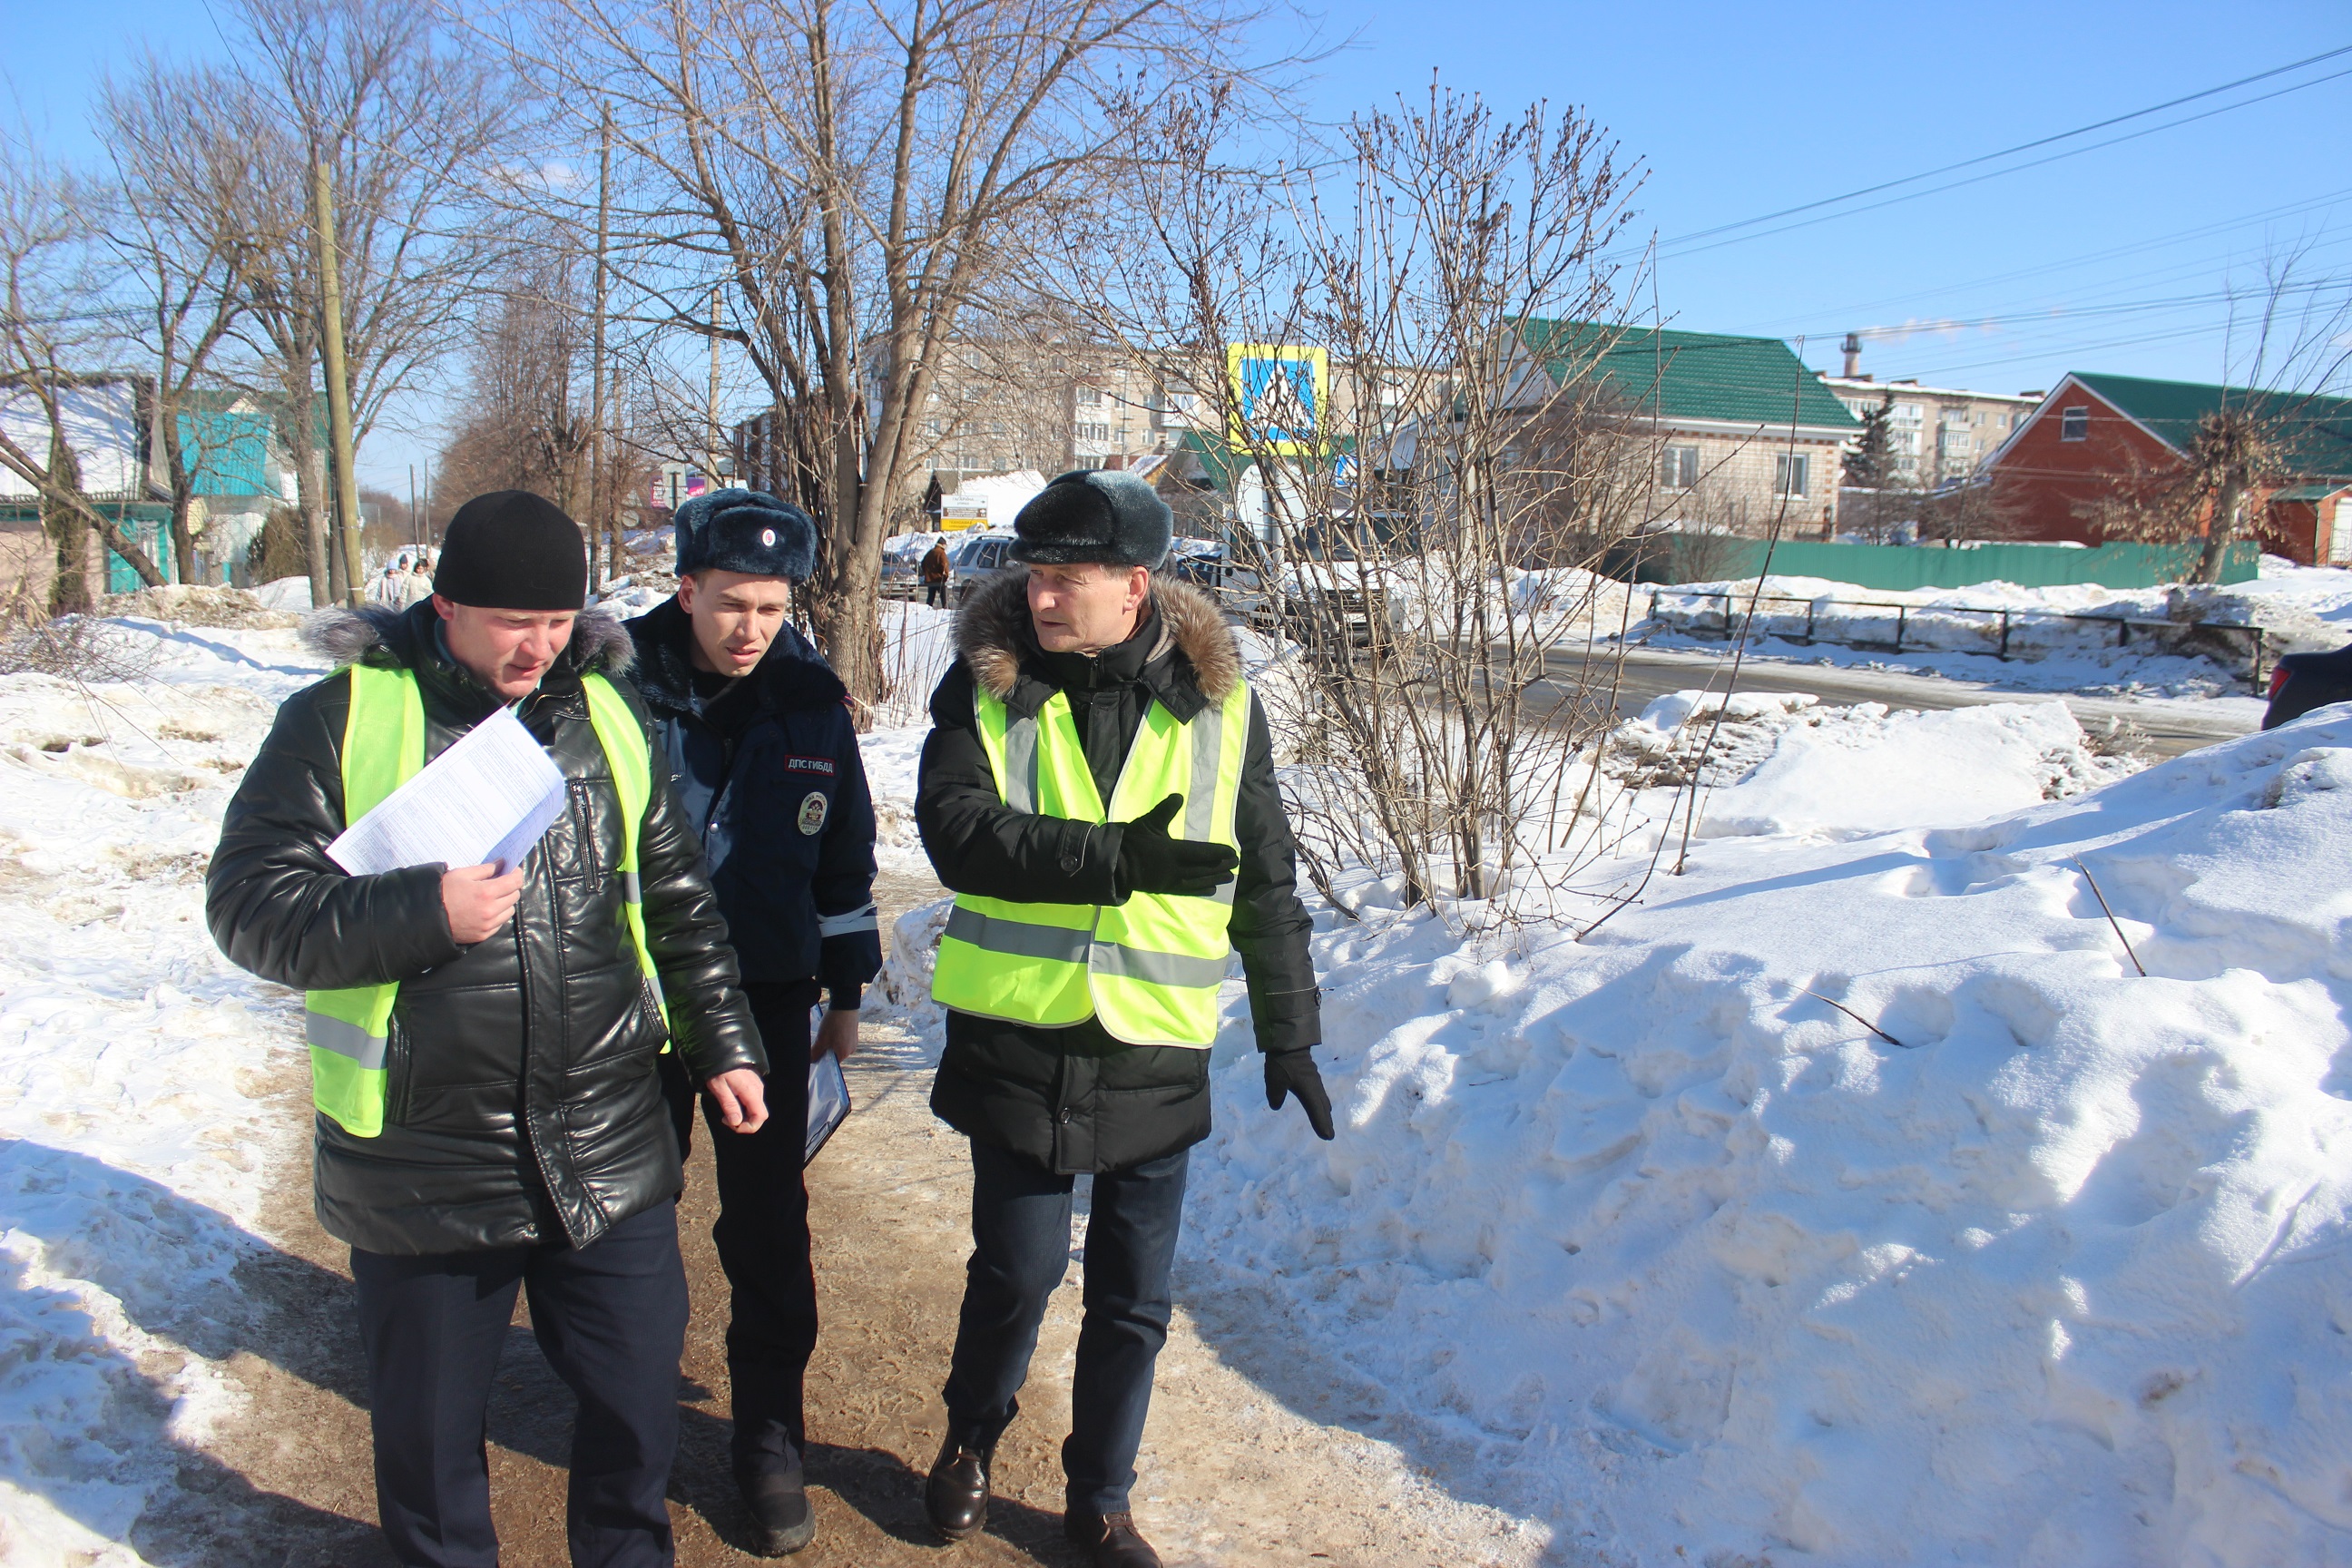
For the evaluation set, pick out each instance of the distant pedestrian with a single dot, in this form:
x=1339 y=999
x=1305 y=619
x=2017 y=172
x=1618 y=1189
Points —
x=1098 y=791
x=751 y=727
x=490 y=1117
x=935 y=574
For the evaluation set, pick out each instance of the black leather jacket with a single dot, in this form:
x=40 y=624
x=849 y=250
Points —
x=523 y=1106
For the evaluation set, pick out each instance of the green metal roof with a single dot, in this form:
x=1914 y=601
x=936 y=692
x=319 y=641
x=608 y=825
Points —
x=2320 y=491
x=2315 y=432
x=1690 y=375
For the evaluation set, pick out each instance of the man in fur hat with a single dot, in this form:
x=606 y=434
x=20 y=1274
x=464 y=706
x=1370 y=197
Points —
x=483 y=1038
x=750 y=723
x=1098 y=791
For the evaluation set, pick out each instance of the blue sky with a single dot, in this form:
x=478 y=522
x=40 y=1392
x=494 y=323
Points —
x=1741 y=110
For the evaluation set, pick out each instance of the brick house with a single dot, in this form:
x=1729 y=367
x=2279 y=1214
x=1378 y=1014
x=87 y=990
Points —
x=2095 y=438
x=1741 y=431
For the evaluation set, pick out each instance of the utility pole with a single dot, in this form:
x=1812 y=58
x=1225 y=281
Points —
x=606 y=517
x=711 y=457
x=416 y=523
x=339 y=391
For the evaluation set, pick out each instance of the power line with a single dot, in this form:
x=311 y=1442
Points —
x=2028 y=146
x=2178 y=237
x=1997 y=173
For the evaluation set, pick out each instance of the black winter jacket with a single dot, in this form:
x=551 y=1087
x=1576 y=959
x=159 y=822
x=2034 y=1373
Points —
x=523 y=1104
x=794 y=880
x=1076 y=1099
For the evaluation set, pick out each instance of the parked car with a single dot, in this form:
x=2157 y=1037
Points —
x=2303 y=682
x=902 y=563
x=973 y=557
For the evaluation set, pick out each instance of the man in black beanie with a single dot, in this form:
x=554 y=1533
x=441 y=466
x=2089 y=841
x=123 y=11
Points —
x=753 y=729
x=1098 y=791
x=484 y=1038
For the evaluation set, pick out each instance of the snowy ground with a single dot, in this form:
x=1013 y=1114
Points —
x=132 y=1145
x=1672 y=1257
x=1687 y=1265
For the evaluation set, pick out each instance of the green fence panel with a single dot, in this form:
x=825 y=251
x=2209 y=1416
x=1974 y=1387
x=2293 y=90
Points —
x=1894 y=568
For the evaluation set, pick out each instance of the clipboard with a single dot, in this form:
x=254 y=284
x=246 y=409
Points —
x=828 y=1103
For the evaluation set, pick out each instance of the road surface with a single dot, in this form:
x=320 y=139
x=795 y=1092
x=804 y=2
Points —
x=2171 y=727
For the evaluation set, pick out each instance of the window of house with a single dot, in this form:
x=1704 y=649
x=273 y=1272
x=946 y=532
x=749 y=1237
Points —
x=1093 y=432
x=1789 y=473
x=1090 y=398
x=1678 y=468
x=2074 y=424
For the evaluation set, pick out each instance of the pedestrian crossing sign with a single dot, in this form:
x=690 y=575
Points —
x=1278 y=394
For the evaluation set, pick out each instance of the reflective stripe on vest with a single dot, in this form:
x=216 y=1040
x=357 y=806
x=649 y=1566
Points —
x=1150 y=968
x=348 y=1030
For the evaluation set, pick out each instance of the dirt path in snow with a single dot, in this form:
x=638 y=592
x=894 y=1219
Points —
x=1231 y=1474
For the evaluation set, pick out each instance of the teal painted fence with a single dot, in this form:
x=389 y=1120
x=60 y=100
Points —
x=1711 y=558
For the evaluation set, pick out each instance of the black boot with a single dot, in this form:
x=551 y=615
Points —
x=782 y=1522
x=1110 y=1540
x=956 y=1495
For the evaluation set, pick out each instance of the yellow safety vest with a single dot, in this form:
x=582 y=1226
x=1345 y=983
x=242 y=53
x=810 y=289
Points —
x=1149 y=968
x=349 y=1030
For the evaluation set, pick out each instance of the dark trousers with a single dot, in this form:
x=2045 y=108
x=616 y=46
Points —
x=611 y=1317
x=936 y=593
x=762 y=1233
x=1021 y=1247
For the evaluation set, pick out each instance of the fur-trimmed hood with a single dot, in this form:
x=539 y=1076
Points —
x=992 y=636
x=378 y=634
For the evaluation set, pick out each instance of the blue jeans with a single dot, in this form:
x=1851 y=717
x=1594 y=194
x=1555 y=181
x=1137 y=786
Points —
x=1020 y=1248
x=611 y=1317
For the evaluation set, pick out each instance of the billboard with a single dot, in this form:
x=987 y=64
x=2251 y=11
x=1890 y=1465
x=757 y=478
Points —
x=1278 y=397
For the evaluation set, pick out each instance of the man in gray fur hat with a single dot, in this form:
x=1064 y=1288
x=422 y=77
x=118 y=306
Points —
x=1098 y=791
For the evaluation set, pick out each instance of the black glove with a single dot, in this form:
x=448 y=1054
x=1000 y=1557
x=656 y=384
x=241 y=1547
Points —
x=1151 y=862
x=1294 y=1072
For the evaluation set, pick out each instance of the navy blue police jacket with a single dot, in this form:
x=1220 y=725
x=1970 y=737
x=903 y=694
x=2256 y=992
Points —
x=768 y=770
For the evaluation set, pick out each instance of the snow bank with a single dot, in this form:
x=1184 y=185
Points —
x=1847 y=772
x=133 y=1137
x=1703 y=1270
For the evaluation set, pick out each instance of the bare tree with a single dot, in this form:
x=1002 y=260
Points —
x=527 y=423
x=853 y=177
x=2267 y=431
x=50 y=325
x=1422 y=515
x=182 y=171
x=410 y=123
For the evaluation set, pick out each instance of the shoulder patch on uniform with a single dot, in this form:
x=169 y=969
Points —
x=813 y=811
x=810 y=765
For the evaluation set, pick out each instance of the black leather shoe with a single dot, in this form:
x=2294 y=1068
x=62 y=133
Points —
x=781 y=1520
x=956 y=1495
x=1111 y=1539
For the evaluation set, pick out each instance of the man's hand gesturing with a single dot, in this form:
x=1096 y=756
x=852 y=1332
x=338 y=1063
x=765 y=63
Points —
x=478 y=901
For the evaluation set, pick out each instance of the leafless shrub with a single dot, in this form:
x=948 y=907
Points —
x=1421 y=547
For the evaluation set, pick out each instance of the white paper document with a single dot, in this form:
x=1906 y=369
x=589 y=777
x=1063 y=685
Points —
x=828 y=1100
x=486 y=798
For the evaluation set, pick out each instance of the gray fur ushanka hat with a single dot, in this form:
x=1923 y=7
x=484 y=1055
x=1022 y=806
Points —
x=1094 y=515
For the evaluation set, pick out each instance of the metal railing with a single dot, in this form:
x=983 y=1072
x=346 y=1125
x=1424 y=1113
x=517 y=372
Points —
x=2004 y=622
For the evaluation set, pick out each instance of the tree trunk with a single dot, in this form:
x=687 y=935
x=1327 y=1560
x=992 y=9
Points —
x=2221 y=531
x=69 y=536
x=184 y=547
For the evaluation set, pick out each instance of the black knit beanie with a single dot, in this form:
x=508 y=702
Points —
x=510 y=550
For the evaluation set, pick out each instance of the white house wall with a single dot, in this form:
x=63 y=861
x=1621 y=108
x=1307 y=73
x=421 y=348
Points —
x=101 y=426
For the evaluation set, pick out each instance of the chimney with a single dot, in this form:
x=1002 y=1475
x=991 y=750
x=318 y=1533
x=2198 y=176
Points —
x=1853 y=355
